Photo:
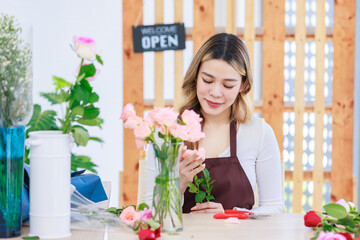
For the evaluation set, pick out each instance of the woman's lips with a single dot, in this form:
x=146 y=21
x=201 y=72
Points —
x=213 y=104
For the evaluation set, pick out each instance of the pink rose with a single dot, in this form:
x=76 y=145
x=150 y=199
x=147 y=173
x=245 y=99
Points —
x=140 y=143
x=143 y=130
x=128 y=111
x=346 y=204
x=132 y=122
x=85 y=47
x=146 y=214
x=330 y=236
x=164 y=116
x=189 y=116
x=179 y=131
x=129 y=215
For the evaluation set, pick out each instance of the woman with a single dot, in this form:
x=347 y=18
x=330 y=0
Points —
x=240 y=150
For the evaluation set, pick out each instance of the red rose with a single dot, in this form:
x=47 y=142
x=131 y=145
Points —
x=311 y=219
x=346 y=234
x=158 y=232
x=146 y=234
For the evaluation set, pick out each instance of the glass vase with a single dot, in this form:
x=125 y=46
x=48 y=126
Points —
x=167 y=207
x=11 y=180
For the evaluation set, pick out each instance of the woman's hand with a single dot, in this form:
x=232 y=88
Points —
x=207 y=207
x=188 y=167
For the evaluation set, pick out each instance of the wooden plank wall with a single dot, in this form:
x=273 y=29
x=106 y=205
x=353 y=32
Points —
x=273 y=38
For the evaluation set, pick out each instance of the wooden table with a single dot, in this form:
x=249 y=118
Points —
x=288 y=226
x=203 y=226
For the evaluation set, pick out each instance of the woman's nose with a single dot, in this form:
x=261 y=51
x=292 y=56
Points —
x=216 y=90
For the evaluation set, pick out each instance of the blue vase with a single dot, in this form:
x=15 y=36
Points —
x=11 y=180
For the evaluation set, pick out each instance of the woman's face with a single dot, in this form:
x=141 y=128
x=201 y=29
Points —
x=217 y=86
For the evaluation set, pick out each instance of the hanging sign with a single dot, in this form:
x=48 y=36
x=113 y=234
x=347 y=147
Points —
x=159 y=37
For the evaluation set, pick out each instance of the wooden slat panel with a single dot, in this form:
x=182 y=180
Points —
x=178 y=17
x=320 y=36
x=249 y=35
x=133 y=93
x=203 y=22
x=159 y=59
x=300 y=33
x=230 y=16
x=308 y=176
x=273 y=66
x=343 y=100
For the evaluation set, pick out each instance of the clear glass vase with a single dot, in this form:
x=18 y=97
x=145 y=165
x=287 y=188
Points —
x=167 y=207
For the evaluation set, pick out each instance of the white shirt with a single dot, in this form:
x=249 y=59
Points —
x=259 y=156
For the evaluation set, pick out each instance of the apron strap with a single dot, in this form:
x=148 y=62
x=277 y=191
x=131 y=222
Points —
x=233 y=138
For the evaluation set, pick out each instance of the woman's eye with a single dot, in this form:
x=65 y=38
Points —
x=208 y=82
x=229 y=87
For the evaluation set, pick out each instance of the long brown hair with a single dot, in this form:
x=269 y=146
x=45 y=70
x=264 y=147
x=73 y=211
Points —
x=232 y=50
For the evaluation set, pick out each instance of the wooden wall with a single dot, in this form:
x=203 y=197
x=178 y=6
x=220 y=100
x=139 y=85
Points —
x=273 y=35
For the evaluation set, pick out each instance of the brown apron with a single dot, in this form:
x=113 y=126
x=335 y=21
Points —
x=231 y=187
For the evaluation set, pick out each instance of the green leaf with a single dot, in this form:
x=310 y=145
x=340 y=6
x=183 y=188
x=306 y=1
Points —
x=87 y=70
x=41 y=120
x=153 y=224
x=93 y=98
x=199 y=197
x=91 y=122
x=142 y=206
x=80 y=93
x=335 y=210
x=210 y=197
x=112 y=210
x=55 y=98
x=78 y=110
x=98 y=58
x=192 y=188
x=91 y=112
x=81 y=162
x=347 y=222
x=31 y=238
x=96 y=139
x=206 y=173
x=60 y=83
x=80 y=134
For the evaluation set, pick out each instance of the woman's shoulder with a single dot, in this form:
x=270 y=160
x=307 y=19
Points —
x=256 y=124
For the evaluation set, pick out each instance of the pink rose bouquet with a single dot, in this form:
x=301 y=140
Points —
x=340 y=221
x=166 y=131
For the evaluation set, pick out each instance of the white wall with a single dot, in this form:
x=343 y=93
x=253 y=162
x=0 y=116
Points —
x=53 y=25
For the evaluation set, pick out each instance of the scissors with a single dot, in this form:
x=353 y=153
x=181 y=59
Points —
x=237 y=214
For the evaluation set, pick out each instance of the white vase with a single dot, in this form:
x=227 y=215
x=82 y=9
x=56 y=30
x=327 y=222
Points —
x=50 y=161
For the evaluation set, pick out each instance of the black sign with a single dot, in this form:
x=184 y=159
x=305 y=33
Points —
x=159 y=37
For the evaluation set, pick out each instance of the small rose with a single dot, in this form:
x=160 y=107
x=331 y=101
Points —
x=85 y=47
x=132 y=122
x=311 y=219
x=346 y=235
x=330 y=236
x=346 y=204
x=147 y=234
x=129 y=216
x=128 y=111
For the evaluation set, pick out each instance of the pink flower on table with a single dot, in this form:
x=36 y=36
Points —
x=164 y=116
x=85 y=47
x=129 y=215
x=143 y=130
x=330 y=236
x=147 y=234
x=145 y=214
x=128 y=111
x=346 y=204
